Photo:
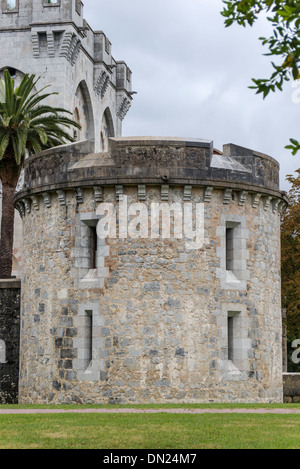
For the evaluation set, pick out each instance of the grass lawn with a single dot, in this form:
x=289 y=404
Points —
x=150 y=431
x=151 y=406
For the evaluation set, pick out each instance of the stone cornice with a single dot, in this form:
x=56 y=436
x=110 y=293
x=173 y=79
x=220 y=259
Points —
x=25 y=202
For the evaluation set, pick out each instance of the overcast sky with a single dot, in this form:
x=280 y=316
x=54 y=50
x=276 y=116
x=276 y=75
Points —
x=192 y=75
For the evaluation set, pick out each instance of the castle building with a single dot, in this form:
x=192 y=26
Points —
x=52 y=40
x=151 y=265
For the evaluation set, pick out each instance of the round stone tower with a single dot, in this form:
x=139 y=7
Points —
x=151 y=273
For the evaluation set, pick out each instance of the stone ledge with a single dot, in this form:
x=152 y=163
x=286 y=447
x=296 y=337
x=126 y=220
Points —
x=162 y=141
x=152 y=161
x=136 y=181
x=6 y=284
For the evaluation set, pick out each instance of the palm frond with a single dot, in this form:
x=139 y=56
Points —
x=33 y=101
x=28 y=124
x=4 y=141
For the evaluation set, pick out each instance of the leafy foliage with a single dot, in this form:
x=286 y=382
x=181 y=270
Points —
x=290 y=236
x=25 y=124
x=284 y=43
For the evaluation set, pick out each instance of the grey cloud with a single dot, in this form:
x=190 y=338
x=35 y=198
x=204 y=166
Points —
x=192 y=75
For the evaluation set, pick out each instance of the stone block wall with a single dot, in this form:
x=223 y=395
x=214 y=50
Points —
x=291 y=387
x=153 y=327
x=10 y=292
x=141 y=316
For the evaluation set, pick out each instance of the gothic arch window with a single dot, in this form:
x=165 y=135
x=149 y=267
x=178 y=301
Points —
x=83 y=104
x=16 y=74
x=12 y=72
x=107 y=129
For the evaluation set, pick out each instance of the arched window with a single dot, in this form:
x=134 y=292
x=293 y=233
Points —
x=83 y=103
x=12 y=72
x=107 y=129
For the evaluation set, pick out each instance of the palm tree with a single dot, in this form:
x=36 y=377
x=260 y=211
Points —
x=26 y=125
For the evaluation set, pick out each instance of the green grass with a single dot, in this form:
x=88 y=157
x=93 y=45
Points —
x=151 y=406
x=150 y=431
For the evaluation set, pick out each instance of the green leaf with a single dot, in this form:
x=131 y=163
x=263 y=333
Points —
x=26 y=123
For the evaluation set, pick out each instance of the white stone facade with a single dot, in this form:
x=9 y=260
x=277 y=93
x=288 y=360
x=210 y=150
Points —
x=52 y=40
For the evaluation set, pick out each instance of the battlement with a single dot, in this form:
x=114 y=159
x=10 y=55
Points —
x=153 y=160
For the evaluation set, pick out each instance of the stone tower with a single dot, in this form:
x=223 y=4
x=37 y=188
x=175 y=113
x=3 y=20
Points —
x=151 y=266
x=52 y=40
x=144 y=314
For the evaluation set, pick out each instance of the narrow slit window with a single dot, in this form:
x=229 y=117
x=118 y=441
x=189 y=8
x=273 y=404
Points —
x=94 y=247
x=89 y=257
x=230 y=338
x=229 y=249
x=234 y=335
x=88 y=338
x=233 y=252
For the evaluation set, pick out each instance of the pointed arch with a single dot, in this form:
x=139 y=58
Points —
x=84 y=107
x=107 y=129
x=16 y=74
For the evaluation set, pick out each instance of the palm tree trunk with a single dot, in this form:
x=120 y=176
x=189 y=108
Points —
x=7 y=230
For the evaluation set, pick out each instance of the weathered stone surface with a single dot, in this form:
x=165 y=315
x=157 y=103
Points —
x=159 y=317
x=53 y=41
x=10 y=292
x=291 y=387
x=135 y=318
x=151 y=161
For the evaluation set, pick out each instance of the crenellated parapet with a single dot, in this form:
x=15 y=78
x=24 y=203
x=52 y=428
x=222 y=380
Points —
x=241 y=174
